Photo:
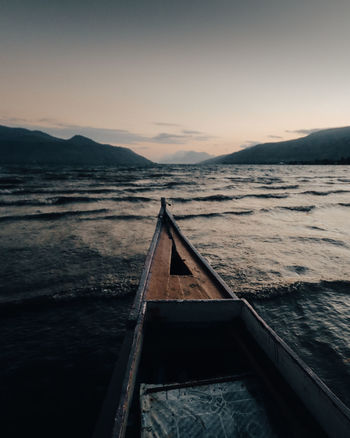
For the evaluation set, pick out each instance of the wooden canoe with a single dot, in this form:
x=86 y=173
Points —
x=198 y=361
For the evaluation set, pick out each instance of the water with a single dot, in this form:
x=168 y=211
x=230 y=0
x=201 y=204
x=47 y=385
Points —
x=73 y=242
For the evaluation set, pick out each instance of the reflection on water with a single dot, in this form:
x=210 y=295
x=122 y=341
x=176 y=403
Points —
x=73 y=244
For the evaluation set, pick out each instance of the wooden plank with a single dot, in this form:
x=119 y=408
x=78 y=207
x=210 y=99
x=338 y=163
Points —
x=174 y=290
x=162 y=285
x=205 y=284
x=192 y=289
x=201 y=260
x=160 y=268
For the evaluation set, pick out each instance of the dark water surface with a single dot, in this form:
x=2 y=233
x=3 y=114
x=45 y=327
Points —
x=73 y=243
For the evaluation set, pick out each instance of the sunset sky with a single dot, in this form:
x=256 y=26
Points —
x=161 y=76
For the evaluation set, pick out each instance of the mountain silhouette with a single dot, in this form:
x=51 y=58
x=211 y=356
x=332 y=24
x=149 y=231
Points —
x=325 y=146
x=26 y=147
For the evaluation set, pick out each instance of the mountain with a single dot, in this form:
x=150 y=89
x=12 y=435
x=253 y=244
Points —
x=185 y=157
x=22 y=146
x=325 y=146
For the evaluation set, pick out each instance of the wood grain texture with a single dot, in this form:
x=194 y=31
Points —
x=163 y=286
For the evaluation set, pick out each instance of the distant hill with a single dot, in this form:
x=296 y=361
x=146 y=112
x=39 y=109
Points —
x=323 y=147
x=22 y=146
x=185 y=157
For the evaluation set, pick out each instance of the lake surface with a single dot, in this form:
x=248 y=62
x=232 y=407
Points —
x=73 y=243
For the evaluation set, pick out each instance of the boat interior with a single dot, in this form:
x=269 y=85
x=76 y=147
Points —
x=208 y=377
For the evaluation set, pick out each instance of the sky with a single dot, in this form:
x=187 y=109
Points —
x=162 y=76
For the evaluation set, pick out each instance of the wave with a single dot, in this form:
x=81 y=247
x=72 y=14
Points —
x=264 y=195
x=79 y=199
x=52 y=215
x=260 y=180
x=275 y=291
x=117 y=291
x=221 y=198
x=228 y=187
x=159 y=175
x=141 y=189
x=324 y=193
x=12 y=180
x=49 y=201
x=122 y=217
x=319 y=240
x=57 y=176
x=214 y=198
x=35 y=191
x=178 y=183
x=8 y=187
x=306 y=208
x=314 y=227
x=209 y=215
x=270 y=187
x=63 y=200
x=22 y=202
x=268 y=180
x=133 y=199
x=301 y=208
x=241 y=179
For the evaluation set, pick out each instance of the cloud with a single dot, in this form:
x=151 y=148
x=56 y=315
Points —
x=165 y=137
x=14 y=120
x=188 y=131
x=143 y=148
x=170 y=138
x=248 y=144
x=66 y=130
x=303 y=131
x=104 y=135
x=176 y=125
x=204 y=137
x=275 y=136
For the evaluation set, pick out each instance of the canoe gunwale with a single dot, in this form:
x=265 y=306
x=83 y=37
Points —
x=144 y=279
x=113 y=417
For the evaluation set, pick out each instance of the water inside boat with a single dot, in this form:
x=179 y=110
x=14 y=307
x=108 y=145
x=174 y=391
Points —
x=211 y=379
